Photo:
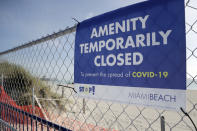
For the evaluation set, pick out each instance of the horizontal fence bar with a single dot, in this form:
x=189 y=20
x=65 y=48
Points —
x=43 y=39
x=38 y=119
x=7 y=125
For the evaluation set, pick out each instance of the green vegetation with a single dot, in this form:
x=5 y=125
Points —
x=18 y=84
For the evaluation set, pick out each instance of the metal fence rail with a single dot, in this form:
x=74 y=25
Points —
x=15 y=119
x=5 y=126
x=37 y=80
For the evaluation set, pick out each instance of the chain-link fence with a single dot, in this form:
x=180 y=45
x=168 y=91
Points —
x=37 y=77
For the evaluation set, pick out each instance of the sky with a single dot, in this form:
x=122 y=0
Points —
x=22 y=21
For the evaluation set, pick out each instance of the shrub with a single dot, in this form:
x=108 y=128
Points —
x=18 y=84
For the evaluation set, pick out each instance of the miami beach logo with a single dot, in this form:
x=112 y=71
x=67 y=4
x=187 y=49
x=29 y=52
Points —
x=87 y=89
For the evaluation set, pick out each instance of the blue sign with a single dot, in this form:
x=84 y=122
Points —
x=139 y=46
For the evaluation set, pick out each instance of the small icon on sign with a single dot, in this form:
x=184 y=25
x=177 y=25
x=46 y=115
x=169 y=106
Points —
x=87 y=90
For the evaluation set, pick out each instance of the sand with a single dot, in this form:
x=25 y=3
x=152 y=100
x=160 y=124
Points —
x=103 y=115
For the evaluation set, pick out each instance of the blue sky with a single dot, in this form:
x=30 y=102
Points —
x=22 y=21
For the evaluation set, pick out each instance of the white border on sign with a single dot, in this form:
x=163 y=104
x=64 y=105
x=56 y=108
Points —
x=170 y=99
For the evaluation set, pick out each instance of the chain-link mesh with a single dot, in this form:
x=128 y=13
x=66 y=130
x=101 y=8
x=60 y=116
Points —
x=39 y=77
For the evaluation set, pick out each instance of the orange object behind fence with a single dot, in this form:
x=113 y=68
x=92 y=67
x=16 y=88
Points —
x=10 y=115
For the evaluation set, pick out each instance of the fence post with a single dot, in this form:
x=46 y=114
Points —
x=33 y=107
x=33 y=102
x=2 y=80
x=62 y=91
x=162 y=123
x=84 y=104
